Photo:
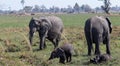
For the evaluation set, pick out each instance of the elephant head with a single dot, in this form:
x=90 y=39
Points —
x=58 y=53
x=33 y=26
x=42 y=26
x=110 y=25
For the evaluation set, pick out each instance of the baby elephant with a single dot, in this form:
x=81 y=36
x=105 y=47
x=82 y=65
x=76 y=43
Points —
x=100 y=58
x=64 y=53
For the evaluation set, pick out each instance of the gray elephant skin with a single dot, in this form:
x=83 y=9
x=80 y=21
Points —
x=97 y=29
x=64 y=53
x=50 y=27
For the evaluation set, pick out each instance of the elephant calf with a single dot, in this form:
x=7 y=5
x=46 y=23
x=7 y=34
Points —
x=97 y=29
x=100 y=58
x=64 y=53
x=50 y=27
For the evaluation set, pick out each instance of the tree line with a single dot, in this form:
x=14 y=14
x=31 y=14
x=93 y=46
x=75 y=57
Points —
x=85 y=8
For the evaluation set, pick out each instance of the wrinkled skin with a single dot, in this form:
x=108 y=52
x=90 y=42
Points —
x=100 y=58
x=50 y=27
x=64 y=53
x=97 y=29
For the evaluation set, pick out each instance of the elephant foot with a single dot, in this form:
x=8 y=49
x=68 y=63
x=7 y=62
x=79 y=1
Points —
x=62 y=62
x=41 y=48
x=108 y=53
x=97 y=53
x=89 y=54
x=45 y=46
x=69 y=60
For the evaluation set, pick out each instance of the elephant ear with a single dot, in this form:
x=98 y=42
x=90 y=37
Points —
x=31 y=22
x=60 y=52
x=109 y=23
x=36 y=21
x=46 y=22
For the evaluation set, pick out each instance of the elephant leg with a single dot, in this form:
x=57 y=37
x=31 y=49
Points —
x=41 y=46
x=108 y=46
x=45 y=45
x=89 y=43
x=89 y=47
x=97 y=50
x=67 y=58
x=58 y=40
x=42 y=42
x=54 y=42
x=31 y=36
x=70 y=58
x=62 y=59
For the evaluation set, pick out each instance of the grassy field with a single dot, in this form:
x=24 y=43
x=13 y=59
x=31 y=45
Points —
x=16 y=51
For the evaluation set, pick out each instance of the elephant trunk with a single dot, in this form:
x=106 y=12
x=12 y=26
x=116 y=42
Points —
x=50 y=58
x=30 y=37
x=42 y=42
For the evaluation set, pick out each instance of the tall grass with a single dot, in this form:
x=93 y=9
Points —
x=28 y=43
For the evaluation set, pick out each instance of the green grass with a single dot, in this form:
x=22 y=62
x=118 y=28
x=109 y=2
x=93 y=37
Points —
x=16 y=52
x=70 y=20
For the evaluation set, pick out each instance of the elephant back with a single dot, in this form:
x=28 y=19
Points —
x=56 y=21
x=57 y=24
x=99 y=21
x=67 y=48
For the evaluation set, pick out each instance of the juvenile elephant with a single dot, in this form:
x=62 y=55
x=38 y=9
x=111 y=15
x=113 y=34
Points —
x=97 y=29
x=64 y=53
x=100 y=58
x=49 y=27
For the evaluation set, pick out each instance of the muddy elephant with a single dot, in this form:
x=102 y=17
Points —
x=50 y=27
x=97 y=29
x=64 y=53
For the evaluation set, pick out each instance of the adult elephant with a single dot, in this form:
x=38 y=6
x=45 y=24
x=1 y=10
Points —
x=97 y=29
x=49 y=27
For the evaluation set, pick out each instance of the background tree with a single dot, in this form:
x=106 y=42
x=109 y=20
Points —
x=76 y=8
x=36 y=9
x=23 y=2
x=70 y=9
x=106 y=6
x=28 y=9
x=54 y=9
x=43 y=8
x=98 y=9
x=63 y=10
x=86 y=8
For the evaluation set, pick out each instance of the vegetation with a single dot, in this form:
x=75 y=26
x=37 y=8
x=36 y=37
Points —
x=22 y=2
x=106 y=6
x=16 y=51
